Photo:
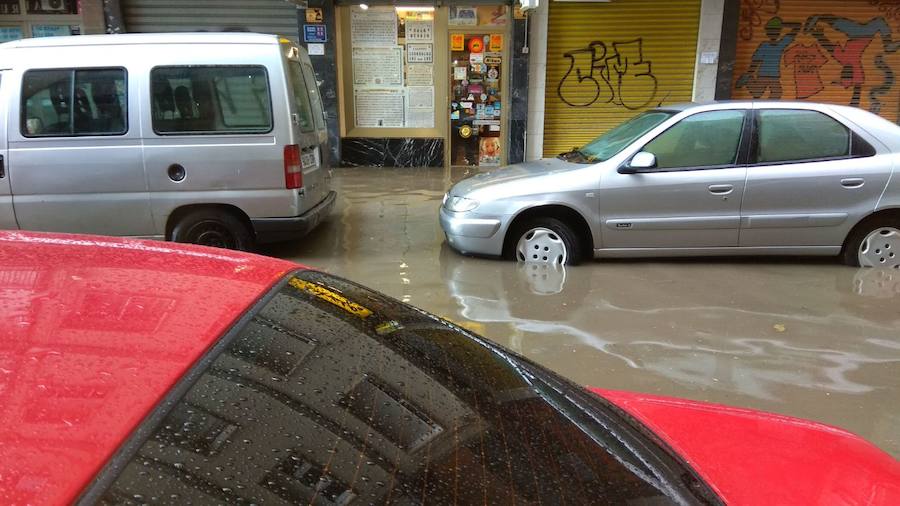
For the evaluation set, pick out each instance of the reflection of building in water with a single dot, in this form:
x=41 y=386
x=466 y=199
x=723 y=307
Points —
x=321 y=400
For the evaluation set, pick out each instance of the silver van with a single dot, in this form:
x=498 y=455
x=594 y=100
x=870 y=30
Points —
x=207 y=138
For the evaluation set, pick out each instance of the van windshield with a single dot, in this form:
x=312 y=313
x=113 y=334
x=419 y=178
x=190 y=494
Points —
x=301 y=97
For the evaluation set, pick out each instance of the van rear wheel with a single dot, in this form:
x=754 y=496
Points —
x=209 y=227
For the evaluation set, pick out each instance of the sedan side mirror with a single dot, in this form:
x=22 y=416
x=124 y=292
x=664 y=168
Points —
x=642 y=160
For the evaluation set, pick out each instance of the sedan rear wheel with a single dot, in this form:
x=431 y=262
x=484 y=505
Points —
x=880 y=248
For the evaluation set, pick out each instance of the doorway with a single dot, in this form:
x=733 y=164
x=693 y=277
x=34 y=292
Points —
x=476 y=101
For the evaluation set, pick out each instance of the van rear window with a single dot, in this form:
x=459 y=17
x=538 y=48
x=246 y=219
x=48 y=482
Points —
x=210 y=100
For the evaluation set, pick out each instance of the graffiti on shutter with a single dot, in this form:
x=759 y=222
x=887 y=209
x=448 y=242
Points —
x=824 y=51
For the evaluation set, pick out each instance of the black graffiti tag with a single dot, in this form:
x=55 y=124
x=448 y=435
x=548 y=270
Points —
x=597 y=74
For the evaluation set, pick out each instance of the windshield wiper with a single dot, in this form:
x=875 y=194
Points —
x=575 y=156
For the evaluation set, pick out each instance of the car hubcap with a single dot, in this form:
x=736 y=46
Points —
x=881 y=248
x=542 y=245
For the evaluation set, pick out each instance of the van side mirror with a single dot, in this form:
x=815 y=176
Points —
x=642 y=160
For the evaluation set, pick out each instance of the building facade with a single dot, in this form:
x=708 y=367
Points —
x=482 y=84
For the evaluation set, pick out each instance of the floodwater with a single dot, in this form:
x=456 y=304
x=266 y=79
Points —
x=802 y=337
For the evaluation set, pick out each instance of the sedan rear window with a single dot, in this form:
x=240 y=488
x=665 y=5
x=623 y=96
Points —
x=333 y=394
x=794 y=135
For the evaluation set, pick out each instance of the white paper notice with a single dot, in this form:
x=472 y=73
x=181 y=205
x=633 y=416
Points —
x=375 y=27
x=421 y=97
x=379 y=67
x=315 y=49
x=419 y=118
x=419 y=31
x=459 y=73
x=419 y=74
x=419 y=53
x=379 y=108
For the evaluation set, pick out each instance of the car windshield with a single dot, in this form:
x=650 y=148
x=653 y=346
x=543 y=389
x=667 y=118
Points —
x=330 y=393
x=610 y=143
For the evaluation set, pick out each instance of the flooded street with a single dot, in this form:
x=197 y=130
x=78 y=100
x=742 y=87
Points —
x=802 y=337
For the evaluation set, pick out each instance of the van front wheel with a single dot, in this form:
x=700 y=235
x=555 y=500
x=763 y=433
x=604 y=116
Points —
x=208 y=227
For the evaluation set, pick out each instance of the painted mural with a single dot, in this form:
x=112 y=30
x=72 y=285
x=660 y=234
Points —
x=840 y=52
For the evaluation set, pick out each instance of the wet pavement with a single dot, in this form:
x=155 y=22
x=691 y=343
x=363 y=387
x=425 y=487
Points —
x=802 y=337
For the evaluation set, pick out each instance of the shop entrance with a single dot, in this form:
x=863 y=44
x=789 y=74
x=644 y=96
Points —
x=475 y=99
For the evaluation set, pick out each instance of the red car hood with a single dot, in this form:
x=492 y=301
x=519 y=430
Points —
x=752 y=457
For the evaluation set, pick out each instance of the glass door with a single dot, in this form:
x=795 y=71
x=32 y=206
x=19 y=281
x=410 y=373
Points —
x=475 y=99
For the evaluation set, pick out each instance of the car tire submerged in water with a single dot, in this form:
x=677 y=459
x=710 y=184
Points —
x=874 y=243
x=544 y=240
x=210 y=227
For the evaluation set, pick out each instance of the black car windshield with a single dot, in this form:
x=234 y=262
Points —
x=610 y=143
x=330 y=393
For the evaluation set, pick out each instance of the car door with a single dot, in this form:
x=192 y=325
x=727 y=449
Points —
x=7 y=215
x=691 y=198
x=76 y=154
x=811 y=178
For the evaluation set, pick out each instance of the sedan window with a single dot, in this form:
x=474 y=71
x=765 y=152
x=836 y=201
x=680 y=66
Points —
x=790 y=135
x=708 y=139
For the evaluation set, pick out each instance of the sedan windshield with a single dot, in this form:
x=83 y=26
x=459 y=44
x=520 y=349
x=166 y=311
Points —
x=610 y=143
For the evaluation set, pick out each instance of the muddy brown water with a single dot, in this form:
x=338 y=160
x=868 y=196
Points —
x=803 y=337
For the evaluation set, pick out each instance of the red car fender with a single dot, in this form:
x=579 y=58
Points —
x=756 y=458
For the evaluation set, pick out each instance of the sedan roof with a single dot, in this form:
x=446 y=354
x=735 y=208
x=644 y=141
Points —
x=93 y=333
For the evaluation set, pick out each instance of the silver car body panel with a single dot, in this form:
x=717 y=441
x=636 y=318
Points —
x=7 y=212
x=785 y=209
x=119 y=184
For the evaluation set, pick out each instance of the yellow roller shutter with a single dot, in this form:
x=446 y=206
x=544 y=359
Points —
x=607 y=62
x=842 y=52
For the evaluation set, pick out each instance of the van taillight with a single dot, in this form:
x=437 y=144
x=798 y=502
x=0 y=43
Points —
x=293 y=169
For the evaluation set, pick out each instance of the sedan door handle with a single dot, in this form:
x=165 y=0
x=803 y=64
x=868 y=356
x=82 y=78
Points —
x=721 y=189
x=852 y=182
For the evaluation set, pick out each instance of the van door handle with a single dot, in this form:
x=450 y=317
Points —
x=721 y=189
x=852 y=182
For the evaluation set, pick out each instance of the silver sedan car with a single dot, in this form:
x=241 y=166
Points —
x=724 y=178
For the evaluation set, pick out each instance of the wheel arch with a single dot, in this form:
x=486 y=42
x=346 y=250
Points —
x=180 y=212
x=562 y=212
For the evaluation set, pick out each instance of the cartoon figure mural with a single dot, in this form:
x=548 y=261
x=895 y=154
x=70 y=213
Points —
x=765 y=66
x=835 y=55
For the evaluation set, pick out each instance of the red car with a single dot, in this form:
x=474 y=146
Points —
x=142 y=372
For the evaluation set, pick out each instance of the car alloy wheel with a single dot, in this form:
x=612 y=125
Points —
x=542 y=245
x=881 y=248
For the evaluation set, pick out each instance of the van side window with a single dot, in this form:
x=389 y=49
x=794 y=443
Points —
x=70 y=102
x=301 y=97
x=210 y=100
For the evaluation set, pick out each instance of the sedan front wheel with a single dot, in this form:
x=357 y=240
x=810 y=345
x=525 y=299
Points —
x=545 y=241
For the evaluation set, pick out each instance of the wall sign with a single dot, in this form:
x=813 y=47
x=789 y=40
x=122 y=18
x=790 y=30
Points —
x=378 y=67
x=379 y=108
x=457 y=42
x=315 y=15
x=419 y=53
x=419 y=30
x=496 y=42
x=375 y=27
x=314 y=33
x=463 y=16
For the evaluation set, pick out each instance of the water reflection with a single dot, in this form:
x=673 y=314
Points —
x=771 y=332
